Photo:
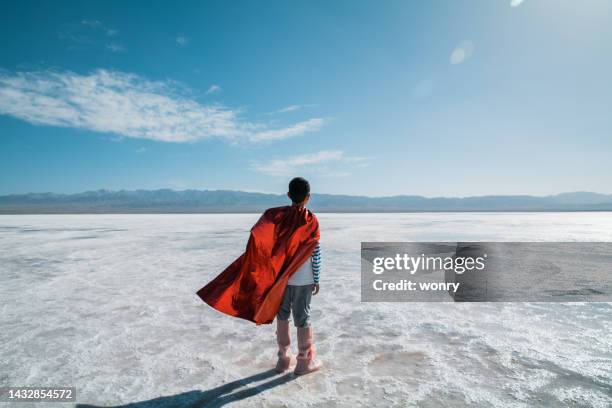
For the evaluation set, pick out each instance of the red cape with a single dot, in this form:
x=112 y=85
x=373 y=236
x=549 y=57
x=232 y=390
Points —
x=252 y=287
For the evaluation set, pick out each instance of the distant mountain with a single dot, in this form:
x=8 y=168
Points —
x=226 y=201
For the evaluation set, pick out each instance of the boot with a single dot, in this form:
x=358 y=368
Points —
x=306 y=361
x=284 y=341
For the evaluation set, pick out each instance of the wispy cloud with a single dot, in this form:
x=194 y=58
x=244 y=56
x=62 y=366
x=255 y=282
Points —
x=182 y=40
x=96 y=25
x=93 y=24
x=299 y=128
x=89 y=33
x=328 y=162
x=213 y=89
x=462 y=52
x=129 y=105
x=515 y=3
x=291 y=108
x=115 y=47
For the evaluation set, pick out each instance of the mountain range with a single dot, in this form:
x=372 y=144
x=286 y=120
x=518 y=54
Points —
x=227 y=201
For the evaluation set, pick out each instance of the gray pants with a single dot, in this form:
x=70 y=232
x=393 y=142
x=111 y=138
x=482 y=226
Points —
x=296 y=300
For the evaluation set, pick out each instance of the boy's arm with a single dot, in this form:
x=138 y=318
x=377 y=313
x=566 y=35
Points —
x=316 y=267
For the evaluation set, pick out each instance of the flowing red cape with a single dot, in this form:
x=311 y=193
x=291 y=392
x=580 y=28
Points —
x=252 y=287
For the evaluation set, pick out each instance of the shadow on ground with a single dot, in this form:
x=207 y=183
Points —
x=215 y=397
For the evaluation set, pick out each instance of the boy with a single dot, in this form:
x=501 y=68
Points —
x=301 y=286
x=277 y=274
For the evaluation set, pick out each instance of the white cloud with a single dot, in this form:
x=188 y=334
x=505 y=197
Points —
x=182 y=40
x=328 y=162
x=93 y=24
x=299 y=128
x=97 y=25
x=291 y=108
x=515 y=3
x=462 y=52
x=128 y=105
x=88 y=33
x=213 y=89
x=115 y=47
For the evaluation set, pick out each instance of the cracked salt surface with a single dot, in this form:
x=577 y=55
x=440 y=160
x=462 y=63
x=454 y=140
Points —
x=107 y=303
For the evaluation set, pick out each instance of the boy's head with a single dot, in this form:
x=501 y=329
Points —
x=299 y=190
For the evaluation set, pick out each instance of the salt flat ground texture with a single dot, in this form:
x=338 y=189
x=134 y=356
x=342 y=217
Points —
x=107 y=303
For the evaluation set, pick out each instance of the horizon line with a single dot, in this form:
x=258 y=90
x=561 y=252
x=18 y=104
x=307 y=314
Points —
x=282 y=194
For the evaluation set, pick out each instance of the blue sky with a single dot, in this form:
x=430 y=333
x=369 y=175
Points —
x=451 y=98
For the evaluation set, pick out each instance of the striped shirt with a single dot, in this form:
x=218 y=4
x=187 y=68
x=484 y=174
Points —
x=309 y=272
x=316 y=263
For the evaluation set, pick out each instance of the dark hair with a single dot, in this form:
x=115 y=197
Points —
x=299 y=188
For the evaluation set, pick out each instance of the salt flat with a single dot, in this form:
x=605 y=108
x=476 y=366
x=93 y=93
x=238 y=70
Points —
x=107 y=303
